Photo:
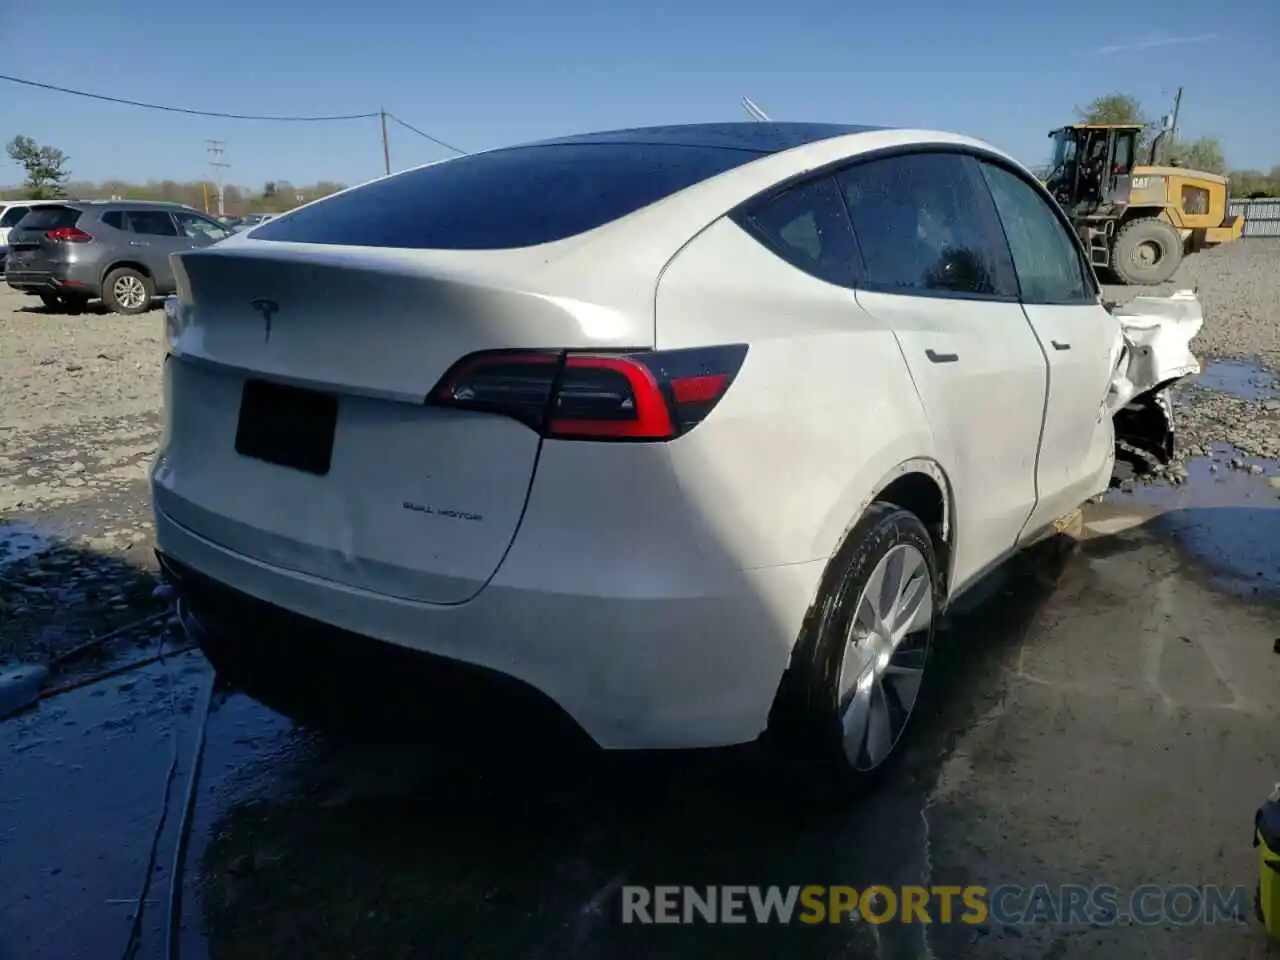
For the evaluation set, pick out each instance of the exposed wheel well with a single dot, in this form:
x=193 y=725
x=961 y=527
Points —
x=1141 y=213
x=921 y=494
x=920 y=487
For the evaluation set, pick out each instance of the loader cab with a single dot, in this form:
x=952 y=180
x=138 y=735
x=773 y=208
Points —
x=1091 y=169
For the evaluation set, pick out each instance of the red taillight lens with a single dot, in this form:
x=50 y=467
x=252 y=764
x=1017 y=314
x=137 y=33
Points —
x=591 y=396
x=68 y=235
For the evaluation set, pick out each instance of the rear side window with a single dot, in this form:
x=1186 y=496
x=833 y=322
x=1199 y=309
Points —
x=807 y=226
x=50 y=218
x=13 y=215
x=926 y=225
x=115 y=219
x=156 y=223
x=1050 y=267
x=518 y=197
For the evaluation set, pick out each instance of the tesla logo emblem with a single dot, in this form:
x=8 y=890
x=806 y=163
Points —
x=268 y=309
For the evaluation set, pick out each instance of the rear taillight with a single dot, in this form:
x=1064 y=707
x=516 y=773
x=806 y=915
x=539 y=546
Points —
x=652 y=395
x=68 y=235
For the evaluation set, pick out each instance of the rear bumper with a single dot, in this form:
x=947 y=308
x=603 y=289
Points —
x=308 y=667
x=632 y=670
x=68 y=278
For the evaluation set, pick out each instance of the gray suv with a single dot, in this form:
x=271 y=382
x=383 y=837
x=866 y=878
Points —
x=71 y=252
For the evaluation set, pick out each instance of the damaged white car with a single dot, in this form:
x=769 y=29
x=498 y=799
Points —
x=685 y=435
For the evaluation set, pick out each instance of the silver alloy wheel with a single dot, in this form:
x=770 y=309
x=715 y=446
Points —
x=130 y=292
x=885 y=652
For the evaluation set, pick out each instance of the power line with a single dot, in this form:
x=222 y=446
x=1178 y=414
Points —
x=435 y=140
x=191 y=112
x=383 y=115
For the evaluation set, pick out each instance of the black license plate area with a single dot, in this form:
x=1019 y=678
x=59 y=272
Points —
x=287 y=426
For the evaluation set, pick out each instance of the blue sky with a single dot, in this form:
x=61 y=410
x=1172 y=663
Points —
x=484 y=73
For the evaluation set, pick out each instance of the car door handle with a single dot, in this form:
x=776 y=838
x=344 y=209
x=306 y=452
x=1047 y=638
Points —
x=139 y=243
x=942 y=357
x=1060 y=346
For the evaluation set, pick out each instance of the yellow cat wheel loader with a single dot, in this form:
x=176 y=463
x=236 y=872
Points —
x=1136 y=221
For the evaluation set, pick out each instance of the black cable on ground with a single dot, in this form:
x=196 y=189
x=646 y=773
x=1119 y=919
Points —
x=135 y=929
x=109 y=635
x=51 y=692
x=173 y=922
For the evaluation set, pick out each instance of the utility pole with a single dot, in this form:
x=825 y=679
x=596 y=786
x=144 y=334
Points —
x=1177 y=105
x=386 y=145
x=217 y=150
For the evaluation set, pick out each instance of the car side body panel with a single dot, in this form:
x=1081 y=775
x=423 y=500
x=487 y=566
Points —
x=824 y=389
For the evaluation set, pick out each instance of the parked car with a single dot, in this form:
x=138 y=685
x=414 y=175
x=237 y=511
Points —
x=71 y=252
x=252 y=220
x=689 y=434
x=11 y=211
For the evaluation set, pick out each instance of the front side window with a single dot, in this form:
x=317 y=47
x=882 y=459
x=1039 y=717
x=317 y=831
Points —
x=1046 y=257
x=807 y=226
x=926 y=226
x=154 y=223
x=200 y=228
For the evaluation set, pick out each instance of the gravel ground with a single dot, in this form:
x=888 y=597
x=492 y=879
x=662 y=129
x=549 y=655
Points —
x=79 y=421
x=1239 y=285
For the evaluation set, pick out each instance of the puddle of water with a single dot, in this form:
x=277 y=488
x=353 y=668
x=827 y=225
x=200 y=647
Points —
x=83 y=783
x=1238 y=378
x=21 y=540
x=1212 y=482
x=1224 y=517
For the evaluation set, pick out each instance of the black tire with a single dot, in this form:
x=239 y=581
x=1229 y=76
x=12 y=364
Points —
x=1146 y=252
x=123 y=279
x=52 y=302
x=806 y=724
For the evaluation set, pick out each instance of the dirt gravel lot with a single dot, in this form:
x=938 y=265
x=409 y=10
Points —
x=1106 y=712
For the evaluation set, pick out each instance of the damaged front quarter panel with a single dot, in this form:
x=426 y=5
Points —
x=1153 y=352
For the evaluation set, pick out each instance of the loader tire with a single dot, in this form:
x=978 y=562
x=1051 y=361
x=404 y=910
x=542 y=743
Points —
x=1146 y=252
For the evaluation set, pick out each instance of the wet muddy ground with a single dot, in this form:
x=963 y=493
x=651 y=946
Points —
x=1105 y=711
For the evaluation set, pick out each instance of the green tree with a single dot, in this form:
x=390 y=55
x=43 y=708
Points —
x=1204 y=153
x=269 y=189
x=45 y=166
x=1119 y=108
x=1113 y=108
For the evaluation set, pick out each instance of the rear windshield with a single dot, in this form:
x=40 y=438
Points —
x=49 y=218
x=516 y=197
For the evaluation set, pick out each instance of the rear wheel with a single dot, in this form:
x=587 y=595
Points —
x=1146 y=252
x=854 y=681
x=127 y=291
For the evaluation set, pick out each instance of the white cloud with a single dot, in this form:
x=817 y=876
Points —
x=1152 y=43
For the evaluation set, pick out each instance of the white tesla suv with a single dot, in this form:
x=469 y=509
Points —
x=690 y=432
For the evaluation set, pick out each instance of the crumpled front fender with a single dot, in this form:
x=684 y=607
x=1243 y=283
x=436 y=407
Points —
x=1153 y=352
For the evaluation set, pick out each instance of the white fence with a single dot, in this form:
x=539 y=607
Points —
x=1261 y=217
